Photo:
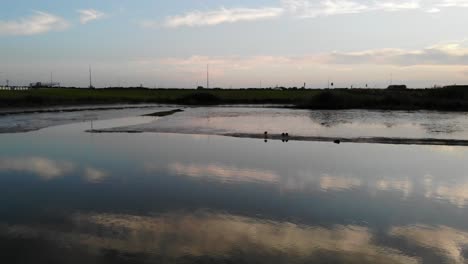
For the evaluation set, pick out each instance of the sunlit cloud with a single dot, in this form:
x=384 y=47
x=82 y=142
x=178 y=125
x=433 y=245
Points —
x=301 y=9
x=40 y=22
x=312 y=9
x=88 y=15
x=220 y=16
x=454 y=53
x=433 y=10
x=45 y=168
x=442 y=239
x=453 y=3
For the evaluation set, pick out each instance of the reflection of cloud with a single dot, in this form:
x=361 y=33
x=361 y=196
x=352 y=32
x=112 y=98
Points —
x=338 y=183
x=211 y=235
x=45 y=168
x=94 y=175
x=220 y=172
x=448 y=241
x=404 y=186
x=455 y=151
x=457 y=195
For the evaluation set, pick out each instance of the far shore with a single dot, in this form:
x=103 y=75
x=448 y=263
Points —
x=452 y=98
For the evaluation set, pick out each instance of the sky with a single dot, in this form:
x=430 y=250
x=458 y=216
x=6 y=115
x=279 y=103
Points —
x=255 y=43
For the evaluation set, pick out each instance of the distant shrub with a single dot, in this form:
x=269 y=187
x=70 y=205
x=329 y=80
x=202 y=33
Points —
x=200 y=98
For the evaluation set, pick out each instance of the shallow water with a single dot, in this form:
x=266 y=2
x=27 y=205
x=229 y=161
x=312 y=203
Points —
x=307 y=123
x=75 y=197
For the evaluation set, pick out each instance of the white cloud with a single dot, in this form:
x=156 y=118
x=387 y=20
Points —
x=453 y=3
x=220 y=16
x=452 y=53
x=301 y=9
x=397 y=6
x=40 y=22
x=433 y=10
x=310 y=9
x=88 y=15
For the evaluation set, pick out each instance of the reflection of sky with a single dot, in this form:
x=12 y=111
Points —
x=349 y=123
x=178 y=235
x=276 y=196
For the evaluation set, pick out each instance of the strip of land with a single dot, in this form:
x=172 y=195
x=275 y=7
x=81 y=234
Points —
x=69 y=110
x=339 y=140
x=452 y=98
x=165 y=113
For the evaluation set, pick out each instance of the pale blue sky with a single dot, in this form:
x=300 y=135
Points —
x=277 y=42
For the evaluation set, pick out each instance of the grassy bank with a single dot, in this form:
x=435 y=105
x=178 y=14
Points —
x=449 y=98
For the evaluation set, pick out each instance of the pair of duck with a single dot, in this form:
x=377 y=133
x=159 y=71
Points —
x=286 y=135
x=282 y=134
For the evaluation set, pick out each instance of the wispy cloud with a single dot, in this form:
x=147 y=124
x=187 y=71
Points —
x=442 y=54
x=222 y=15
x=214 y=17
x=451 y=53
x=88 y=15
x=300 y=9
x=310 y=9
x=40 y=22
x=453 y=3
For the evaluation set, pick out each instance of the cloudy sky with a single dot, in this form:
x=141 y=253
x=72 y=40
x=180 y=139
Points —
x=247 y=43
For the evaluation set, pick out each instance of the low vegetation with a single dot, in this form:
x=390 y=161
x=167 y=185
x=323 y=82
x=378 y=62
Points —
x=453 y=98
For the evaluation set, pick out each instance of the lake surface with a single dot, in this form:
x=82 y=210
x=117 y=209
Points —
x=68 y=196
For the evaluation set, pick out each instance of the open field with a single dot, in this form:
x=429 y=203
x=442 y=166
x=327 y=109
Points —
x=449 y=98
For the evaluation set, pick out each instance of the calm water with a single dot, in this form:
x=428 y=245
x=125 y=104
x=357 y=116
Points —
x=73 y=197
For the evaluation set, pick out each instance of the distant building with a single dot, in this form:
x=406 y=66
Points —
x=397 y=87
x=456 y=86
x=44 y=85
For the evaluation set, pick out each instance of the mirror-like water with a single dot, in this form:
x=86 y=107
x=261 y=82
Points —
x=68 y=196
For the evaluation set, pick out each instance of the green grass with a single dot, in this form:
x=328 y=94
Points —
x=451 y=98
x=60 y=96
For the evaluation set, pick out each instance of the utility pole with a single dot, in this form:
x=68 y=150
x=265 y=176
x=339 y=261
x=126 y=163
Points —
x=90 y=79
x=207 y=76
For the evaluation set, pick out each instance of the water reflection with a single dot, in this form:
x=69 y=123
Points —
x=49 y=169
x=219 y=237
x=443 y=240
x=329 y=183
x=94 y=175
x=319 y=123
x=171 y=198
x=404 y=186
x=45 y=168
x=216 y=171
